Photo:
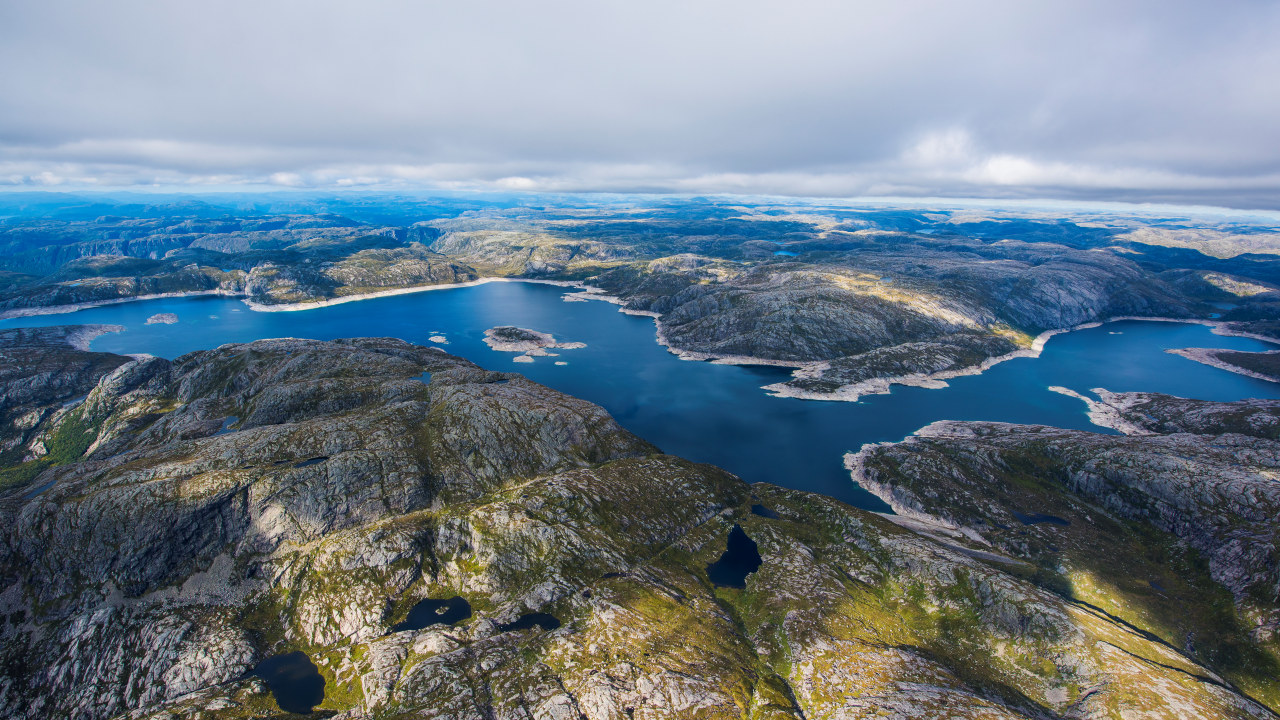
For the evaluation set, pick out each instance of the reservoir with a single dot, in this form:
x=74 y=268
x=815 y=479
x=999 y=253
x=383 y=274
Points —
x=702 y=411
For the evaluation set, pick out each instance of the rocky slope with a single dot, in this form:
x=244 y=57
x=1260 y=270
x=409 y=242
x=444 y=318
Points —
x=855 y=308
x=285 y=495
x=280 y=260
x=1260 y=365
x=1171 y=529
x=44 y=372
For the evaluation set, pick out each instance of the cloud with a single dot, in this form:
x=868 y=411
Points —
x=993 y=97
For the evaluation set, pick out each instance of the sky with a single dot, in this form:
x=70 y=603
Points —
x=1130 y=101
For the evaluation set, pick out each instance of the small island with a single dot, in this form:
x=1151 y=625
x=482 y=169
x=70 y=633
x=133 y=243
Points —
x=530 y=343
x=162 y=319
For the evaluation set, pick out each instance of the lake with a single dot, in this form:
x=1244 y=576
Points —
x=702 y=411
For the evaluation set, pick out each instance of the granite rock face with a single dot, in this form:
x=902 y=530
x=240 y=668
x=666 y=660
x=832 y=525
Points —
x=1168 y=414
x=300 y=495
x=281 y=259
x=1171 y=529
x=44 y=372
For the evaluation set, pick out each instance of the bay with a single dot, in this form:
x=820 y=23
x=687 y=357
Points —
x=703 y=411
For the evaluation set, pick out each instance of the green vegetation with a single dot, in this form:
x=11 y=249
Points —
x=67 y=442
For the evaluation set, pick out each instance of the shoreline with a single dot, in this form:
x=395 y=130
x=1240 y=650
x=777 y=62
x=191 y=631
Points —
x=287 y=307
x=86 y=334
x=1207 y=356
x=297 y=307
x=801 y=369
x=594 y=293
x=1102 y=412
x=930 y=381
x=75 y=307
x=936 y=381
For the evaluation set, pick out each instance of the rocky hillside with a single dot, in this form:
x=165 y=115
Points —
x=273 y=260
x=1137 y=413
x=255 y=500
x=1170 y=530
x=44 y=373
x=854 y=307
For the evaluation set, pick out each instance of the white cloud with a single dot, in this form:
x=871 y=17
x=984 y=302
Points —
x=950 y=147
x=924 y=97
x=517 y=183
x=287 y=179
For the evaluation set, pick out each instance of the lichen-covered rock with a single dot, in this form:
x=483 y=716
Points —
x=1167 y=414
x=181 y=550
x=44 y=373
x=1173 y=533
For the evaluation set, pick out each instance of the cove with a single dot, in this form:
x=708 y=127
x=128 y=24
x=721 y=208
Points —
x=705 y=412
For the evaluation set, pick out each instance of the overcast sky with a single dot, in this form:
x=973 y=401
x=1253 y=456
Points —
x=1162 y=100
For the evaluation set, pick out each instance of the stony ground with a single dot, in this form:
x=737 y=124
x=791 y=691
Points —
x=288 y=495
x=1170 y=529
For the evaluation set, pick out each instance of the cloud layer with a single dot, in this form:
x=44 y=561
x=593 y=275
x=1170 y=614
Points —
x=1149 y=101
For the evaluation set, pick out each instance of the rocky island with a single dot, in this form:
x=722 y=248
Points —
x=854 y=299
x=163 y=557
x=530 y=343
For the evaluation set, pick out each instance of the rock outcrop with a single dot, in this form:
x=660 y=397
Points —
x=291 y=495
x=1171 y=529
x=44 y=373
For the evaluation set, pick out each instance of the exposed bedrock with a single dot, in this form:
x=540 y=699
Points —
x=291 y=495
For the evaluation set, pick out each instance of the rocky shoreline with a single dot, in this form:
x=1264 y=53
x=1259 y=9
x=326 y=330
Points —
x=802 y=370
x=1209 y=356
x=61 y=309
x=296 y=307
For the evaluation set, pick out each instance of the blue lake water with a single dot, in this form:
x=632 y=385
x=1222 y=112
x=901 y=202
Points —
x=701 y=411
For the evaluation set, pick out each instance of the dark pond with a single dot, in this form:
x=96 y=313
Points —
x=524 y=622
x=295 y=682
x=226 y=425
x=739 y=560
x=434 y=612
x=39 y=490
x=1036 y=518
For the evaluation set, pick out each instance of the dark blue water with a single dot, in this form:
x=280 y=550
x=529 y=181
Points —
x=705 y=412
x=295 y=682
x=426 y=613
x=545 y=621
x=740 y=558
